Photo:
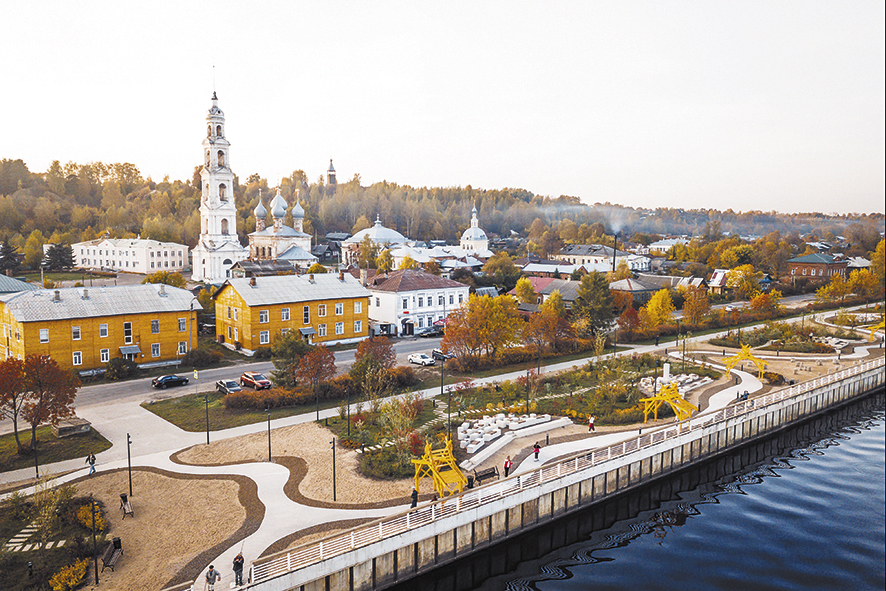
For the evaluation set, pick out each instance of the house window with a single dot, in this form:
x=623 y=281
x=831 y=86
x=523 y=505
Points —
x=421 y=322
x=339 y=309
x=229 y=332
x=229 y=311
x=155 y=327
x=78 y=358
x=182 y=324
x=321 y=330
x=405 y=303
x=451 y=299
x=182 y=347
x=421 y=301
x=75 y=333
x=264 y=337
x=804 y=270
x=284 y=314
x=127 y=333
x=358 y=307
x=263 y=316
x=306 y=315
x=155 y=349
x=321 y=310
x=440 y=300
x=105 y=355
x=461 y=298
x=236 y=314
x=358 y=326
x=44 y=335
x=377 y=302
x=284 y=331
x=339 y=328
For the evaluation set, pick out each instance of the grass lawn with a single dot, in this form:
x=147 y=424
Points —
x=49 y=448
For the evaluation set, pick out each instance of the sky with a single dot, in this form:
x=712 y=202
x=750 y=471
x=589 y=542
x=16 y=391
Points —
x=753 y=105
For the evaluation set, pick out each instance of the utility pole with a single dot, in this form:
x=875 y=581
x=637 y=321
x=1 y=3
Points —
x=333 y=468
x=94 y=545
x=129 y=461
x=268 y=410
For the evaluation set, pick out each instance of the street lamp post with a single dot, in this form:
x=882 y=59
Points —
x=94 y=545
x=527 y=391
x=36 y=464
x=333 y=467
x=268 y=410
x=206 y=401
x=129 y=461
x=349 y=413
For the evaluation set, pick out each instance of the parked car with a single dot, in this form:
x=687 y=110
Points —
x=227 y=386
x=421 y=359
x=255 y=380
x=732 y=308
x=168 y=380
x=431 y=331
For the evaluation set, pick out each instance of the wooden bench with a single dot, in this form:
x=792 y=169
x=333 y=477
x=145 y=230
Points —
x=126 y=505
x=484 y=474
x=112 y=554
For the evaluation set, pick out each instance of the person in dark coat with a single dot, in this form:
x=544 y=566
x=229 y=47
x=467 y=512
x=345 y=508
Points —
x=414 y=498
x=535 y=450
x=238 y=569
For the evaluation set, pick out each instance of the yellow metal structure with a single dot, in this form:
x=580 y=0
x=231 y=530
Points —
x=877 y=327
x=745 y=353
x=670 y=394
x=440 y=466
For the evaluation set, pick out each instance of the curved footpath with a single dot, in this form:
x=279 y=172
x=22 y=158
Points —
x=155 y=440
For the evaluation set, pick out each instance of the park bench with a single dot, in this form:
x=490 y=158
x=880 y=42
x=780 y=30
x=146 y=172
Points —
x=484 y=474
x=112 y=554
x=126 y=505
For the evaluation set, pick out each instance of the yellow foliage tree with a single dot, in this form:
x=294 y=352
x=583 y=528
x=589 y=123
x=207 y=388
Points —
x=695 y=305
x=408 y=263
x=836 y=289
x=524 y=291
x=659 y=309
x=745 y=280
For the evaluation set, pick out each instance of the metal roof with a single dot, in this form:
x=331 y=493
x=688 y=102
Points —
x=286 y=289
x=92 y=302
x=10 y=285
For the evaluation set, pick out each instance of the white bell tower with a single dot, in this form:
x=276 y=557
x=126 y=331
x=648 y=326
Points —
x=218 y=247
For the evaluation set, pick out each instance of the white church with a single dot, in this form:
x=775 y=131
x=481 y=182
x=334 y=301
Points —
x=218 y=246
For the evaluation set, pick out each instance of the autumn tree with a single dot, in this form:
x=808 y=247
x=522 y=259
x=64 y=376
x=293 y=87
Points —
x=541 y=329
x=374 y=353
x=878 y=263
x=484 y=324
x=524 y=291
x=835 y=289
x=407 y=262
x=12 y=393
x=629 y=320
x=554 y=302
x=594 y=302
x=49 y=393
x=501 y=270
x=745 y=280
x=696 y=305
x=433 y=267
x=659 y=309
x=622 y=271
x=384 y=262
x=169 y=278
x=317 y=269
x=315 y=367
x=368 y=252
x=863 y=283
x=286 y=353
x=361 y=224
x=397 y=420
x=767 y=302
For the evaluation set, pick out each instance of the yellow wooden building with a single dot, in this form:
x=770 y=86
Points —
x=325 y=308
x=84 y=328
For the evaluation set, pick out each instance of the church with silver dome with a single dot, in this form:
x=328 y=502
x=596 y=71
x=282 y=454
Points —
x=474 y=238
x=276 y=241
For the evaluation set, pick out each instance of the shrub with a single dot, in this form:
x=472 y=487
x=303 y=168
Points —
x=263 y=353
x=403 y=376
x=338 y=387
x=202 y=358
x=70 y=576
x=776 y=379
x=84 y=516
x=120 y=368
x=386 y=464
x=18 y=506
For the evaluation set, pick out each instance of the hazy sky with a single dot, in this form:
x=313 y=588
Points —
x=743 y=105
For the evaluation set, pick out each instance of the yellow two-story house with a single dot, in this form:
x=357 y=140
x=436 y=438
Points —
x=84 y=328
x=325 y=308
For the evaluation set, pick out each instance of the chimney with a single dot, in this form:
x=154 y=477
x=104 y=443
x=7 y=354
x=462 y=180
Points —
x=162 y=290
x=341 y=275
x=56 y=296
x=85 y=294
x=311 y=277
x=363 y=277
x=252 y=282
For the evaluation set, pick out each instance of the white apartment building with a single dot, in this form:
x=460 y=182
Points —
x=130 y=255
x=406 y=301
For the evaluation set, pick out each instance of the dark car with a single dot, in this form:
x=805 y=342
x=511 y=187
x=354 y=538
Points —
x=168 y=380
x=255 y=380
x=431 y=331
x=227 y=386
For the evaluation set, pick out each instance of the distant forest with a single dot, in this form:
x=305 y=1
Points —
x=75 y=202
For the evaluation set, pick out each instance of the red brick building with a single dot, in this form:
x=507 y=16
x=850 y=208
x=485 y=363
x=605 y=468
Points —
x=817 y=266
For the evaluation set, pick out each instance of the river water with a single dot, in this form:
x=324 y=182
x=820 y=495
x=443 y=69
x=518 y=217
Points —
x=803 y=510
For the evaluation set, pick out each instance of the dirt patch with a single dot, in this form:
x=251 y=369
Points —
x=180 y=522
x=311 y=482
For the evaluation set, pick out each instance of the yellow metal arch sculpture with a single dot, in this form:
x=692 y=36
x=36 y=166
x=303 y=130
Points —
x=745 y=353
x=440 y=466
x=877 y=327
x=671 y=394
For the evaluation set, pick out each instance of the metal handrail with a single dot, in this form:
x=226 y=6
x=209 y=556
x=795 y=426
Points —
x=430 y=512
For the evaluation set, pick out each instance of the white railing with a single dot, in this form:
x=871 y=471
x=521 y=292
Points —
x=428 y=513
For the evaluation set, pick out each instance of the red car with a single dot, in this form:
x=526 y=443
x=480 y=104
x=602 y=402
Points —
x=255 y=380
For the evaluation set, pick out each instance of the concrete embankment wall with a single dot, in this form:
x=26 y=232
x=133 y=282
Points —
x=518 y=504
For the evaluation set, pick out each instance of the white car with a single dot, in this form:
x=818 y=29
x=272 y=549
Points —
x=421 y=359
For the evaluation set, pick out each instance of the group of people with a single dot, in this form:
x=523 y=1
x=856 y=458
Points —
x=213 y=576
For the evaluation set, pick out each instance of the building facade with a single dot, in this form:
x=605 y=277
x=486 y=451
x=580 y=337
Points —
x=218 y=246
x=131 y=256
x=324 y=308
x=409 y=300
x=84 y=328
x=278 y=240
x=817 y=266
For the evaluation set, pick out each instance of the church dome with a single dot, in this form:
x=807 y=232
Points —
x=260 y=211
x=378 y=234
x=278 y=206
x=473 y=234
x=297 y=211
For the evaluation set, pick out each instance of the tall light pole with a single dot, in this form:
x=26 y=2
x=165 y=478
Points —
x=268 y=410
x=94 y=545
x=206 y=401
x=129 y=461
x=333 y=468
x=527 y=390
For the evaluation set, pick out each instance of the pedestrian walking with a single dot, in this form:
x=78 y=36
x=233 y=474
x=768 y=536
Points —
x=90 y=459
x=212 y=576
x=507 y=465
x=535 y=450
x=591 y=427
x=414 y=498
x=238 y=569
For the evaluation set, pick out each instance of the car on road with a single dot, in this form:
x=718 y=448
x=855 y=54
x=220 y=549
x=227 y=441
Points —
x=254 y=380
x=431 y=331
x=421 y=359
x=732 y=308
x=227 y=386
x=168 y=380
